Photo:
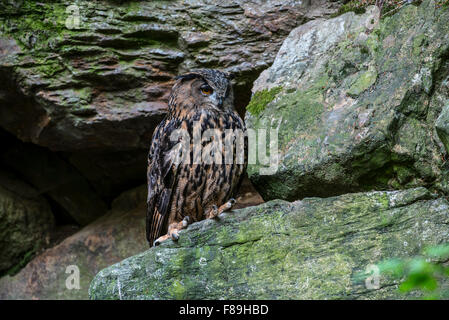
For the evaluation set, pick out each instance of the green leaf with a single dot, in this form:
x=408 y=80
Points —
x=422 y=281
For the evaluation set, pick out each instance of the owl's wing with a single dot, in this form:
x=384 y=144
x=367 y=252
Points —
x=241 y=126
x=162 y=172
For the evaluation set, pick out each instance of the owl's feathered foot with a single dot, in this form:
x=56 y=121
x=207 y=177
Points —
x=173 y=230
x=216 y=211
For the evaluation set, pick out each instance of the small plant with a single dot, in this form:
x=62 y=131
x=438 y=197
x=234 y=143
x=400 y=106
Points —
x=427 y=274
x=261 y=99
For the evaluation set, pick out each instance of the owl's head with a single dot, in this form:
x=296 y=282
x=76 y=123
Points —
x=204 y=88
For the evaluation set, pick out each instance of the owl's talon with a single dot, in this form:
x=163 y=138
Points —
x=175 y=236
x=161 y=239
x=185 y=221
x=215 y=212
x=228 y=205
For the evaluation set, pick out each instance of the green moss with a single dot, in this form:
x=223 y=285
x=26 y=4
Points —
x=37 y=26
x=177 y=290
x=25 y=259
x=299 y=109
x=303 y=250
x=321 y=83
x=84 y=94
x=50 y=68
x=351 y=6
x=261 y=99
x=362 y=82
x=418 y=42
x=373 y=42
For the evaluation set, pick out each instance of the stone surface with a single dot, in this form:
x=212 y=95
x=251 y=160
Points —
x=311 y=249
x=96 y=92
x=54 y=177
x=96 y=74
x=355 y=101
x=115 y=236
x=442 y=126
x=25 y=222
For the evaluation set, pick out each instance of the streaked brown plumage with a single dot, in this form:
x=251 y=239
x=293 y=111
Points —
x=199 y=100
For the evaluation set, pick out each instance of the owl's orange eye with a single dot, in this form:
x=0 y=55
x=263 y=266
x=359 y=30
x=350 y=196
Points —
x=206 y=90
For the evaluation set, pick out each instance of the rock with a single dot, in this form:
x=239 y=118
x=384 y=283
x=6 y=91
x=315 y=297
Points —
x=311 y=249
x=109 y=173
x=115 y=236
x=247 y=195
x=442 y=126
x=96 y=74
x=106 y=173
x=54 y=177
x=94 y=92
x=25 y=222
x=355 y=101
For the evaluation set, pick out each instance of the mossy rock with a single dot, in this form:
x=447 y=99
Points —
x=310 y=249
x=359 y=101
x=99 y=73
x=117 y=235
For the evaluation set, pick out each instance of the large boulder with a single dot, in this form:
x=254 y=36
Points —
x=25 y=222
x=97 y=74
x=355 y=100
x=310 y=249
x=115 y=236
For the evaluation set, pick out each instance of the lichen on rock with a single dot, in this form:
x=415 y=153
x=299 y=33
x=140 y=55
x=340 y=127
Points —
x=309 y=249
x=115 y=236
x=378 y=88
x=98 y=73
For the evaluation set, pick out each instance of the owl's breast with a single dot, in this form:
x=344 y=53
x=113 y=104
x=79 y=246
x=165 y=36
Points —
x=213 y=162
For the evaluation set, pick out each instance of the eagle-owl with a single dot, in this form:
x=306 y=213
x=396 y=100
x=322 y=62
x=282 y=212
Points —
x=181 y=192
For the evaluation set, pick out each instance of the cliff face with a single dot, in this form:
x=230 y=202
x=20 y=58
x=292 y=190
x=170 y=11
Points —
x=359 y=104
x=25 y=221
x=117 y=235
x=97 y=74
x=361 y=109
x=83 y=85
x=91 y=80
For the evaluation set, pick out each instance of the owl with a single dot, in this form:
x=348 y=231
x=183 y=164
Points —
x=198 y=155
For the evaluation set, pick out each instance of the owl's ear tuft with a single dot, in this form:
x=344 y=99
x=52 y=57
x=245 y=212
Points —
x=188 y=76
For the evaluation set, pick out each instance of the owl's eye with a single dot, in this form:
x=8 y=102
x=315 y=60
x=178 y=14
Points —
x=206 y=90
